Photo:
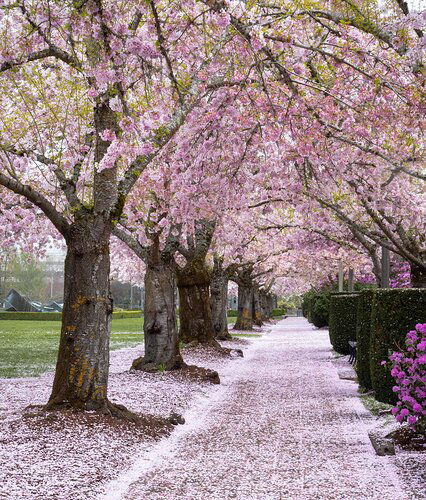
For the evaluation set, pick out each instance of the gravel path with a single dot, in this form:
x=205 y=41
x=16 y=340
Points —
x=282 y=425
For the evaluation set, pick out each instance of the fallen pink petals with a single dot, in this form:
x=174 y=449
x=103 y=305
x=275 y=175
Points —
x=282 y=424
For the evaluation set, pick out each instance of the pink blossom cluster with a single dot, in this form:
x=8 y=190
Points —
x=409 y=372
x=400 y=276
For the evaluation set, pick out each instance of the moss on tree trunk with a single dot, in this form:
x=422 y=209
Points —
x=81 y=377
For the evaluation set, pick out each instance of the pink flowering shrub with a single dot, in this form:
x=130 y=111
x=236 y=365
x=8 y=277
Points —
x=408 y=368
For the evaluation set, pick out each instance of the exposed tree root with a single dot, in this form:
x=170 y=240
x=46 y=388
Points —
x=200 y=373
x=145 y=365
x=217 y=348
x=109 y=414
x=224 y=336
x=187 y=371
x=104 y=407
x=243 y=327
x=192 y=372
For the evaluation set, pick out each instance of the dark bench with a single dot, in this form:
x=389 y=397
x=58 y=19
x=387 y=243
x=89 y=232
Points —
x=352 y=352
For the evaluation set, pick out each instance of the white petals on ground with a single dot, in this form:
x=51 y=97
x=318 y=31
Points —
x=281 y=425
x=285 y=426
x=71 y=459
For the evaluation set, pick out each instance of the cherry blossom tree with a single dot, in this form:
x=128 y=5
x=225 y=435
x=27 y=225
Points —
x=91 y=93
x=154 y=121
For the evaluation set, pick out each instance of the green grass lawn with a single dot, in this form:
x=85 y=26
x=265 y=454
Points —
x=29 y=348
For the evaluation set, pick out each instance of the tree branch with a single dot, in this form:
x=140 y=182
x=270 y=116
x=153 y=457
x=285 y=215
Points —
x=163 y=50
x=57 y=219
x=131 y=242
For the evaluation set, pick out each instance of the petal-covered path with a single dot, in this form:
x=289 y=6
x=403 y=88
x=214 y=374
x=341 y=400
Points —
x=281 y=426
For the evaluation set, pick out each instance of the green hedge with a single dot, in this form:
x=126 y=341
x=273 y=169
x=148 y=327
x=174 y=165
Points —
x=306 y=305
x=394 y=313
x=57 y=316
x=278 y=312
x=126 y=314
x=319 y=309
x=363 y=329
x=232 y=313
x=342 y=320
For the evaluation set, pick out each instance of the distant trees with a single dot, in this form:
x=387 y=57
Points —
x=24 y=273
x=28 y=276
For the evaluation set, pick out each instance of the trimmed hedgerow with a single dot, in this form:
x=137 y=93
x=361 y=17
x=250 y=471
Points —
x=57 y=316
x=394 y=313
x=306 y=304
x=305 y=307
x=363 y=329
x=342 y=320
x=126 y=314
x=232 y=313
x=31 y=316
x=320 y=307
x=279 y=312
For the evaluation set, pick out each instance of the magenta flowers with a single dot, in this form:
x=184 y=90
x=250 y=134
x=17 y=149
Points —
x=408 y=368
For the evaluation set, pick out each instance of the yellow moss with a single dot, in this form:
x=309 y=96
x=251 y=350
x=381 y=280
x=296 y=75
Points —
x=79 y=302
x=72 y=372
x=99 y=392
x=246 y=314
x=84 y=372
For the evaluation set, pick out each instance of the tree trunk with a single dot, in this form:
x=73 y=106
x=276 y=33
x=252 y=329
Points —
x=418 y=276
x=81 y=376
x=264 y=305
x=160 y=327
x=195 y=313
x=244 y=317
x=219 y=301
x=270 y=305
x=257 y=310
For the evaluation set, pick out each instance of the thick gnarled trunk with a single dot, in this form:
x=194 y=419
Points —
x=81 y=377
x=245 y=304
x=257 y=309
x=160 y=327
x=196 y=325
x=219 y=302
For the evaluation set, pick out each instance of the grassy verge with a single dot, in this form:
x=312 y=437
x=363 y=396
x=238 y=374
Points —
x=372 y=405
x=29 y=348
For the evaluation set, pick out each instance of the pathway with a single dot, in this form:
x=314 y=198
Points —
x=281 y=426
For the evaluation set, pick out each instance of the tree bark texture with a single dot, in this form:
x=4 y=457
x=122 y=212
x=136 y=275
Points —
x=271 y=303
x=245 y=305
x=195 y=313
x=81 y=377
x=160 y=326
x=219 y=301
x=264 y=306
x=257 y=310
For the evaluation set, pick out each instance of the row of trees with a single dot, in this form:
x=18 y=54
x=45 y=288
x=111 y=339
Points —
x=203 y=142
